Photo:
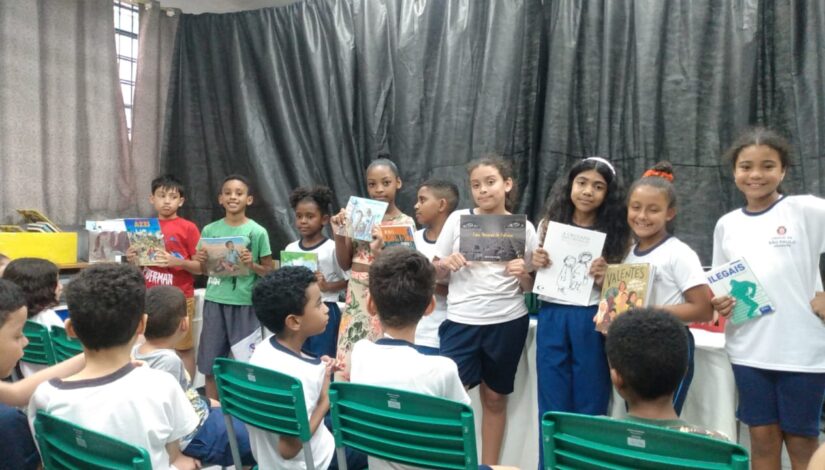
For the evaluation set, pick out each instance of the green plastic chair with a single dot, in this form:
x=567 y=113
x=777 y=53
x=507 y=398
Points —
x=39 y=350
x=580 y=441
x=63 y=346
x=64 y=445
x=263 y=398
x=403 y=427
x=532 y=302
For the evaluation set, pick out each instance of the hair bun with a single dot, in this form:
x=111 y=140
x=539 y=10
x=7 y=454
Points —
x=662 y=169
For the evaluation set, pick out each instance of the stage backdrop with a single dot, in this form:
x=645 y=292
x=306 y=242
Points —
x=311 y=92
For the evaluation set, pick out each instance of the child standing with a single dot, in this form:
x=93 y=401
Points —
x=679 y=285
x=436 y=201
x=229 y=323
x=571 y=366
x=487 y=321
x=778 y=359
x=39 y=279
x=180 y=238
x=312 y=208
x=382 y=184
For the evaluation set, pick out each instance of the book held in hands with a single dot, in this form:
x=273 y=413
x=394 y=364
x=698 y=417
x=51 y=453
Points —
x=223 y=256
x=300 y=258
x=398 y=235
x=362 y=215
x=625 y=286
x=492 y=237
x=572 y=251
x=737 y=280
x=147 y=240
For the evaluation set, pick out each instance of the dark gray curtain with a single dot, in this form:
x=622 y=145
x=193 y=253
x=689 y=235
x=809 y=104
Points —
x=311 y=92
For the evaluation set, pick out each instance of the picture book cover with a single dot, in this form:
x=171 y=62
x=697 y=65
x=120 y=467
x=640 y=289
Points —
x=147 y=239
x=572 y=250
x=737 y=280
x=223 y=256
x=398 y=235
x=300 y=258
x=362 y=215
x=625 y=286
x=492 y=237
x=108 y=240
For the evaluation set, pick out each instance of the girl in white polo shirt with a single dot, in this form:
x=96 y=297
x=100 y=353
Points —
x=779 y=358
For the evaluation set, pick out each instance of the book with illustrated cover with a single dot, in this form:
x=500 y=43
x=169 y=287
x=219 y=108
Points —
x=147 y=239
x=223 y=256
x=492 y=237
x=737 y=280
x=572 y=250
x=37 y=220
x=300 y=258
x=398 y=235
x=108 y=240
x=625 y=286
x=362 y=215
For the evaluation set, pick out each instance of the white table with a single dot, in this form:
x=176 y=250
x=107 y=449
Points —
x=710 y=403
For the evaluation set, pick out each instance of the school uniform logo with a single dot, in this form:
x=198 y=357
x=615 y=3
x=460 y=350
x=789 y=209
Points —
x=782 y=239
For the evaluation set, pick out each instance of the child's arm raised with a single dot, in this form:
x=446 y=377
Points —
x=19 y=393
x=697 y=306
x=343 y=245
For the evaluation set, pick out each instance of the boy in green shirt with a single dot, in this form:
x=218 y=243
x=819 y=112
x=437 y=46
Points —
x=229 y=322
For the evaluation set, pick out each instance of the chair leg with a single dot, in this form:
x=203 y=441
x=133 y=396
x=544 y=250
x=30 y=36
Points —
x=310 y=461
x=233 y=441
x=341 y=454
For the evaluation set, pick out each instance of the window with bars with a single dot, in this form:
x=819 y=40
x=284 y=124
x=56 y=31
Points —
x=127 y=21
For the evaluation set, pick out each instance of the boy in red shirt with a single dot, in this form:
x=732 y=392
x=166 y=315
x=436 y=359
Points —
x=181 y=239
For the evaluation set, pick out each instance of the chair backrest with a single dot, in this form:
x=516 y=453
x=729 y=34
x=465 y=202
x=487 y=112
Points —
x=39 y=350
x=63 y=346
x=64 y=445
x=403 y=427
x=579 y=441
x=263 y=398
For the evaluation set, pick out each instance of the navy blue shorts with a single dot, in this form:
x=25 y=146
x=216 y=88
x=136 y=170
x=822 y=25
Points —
x=791 y=399
x=211 y=443
x=485 y=353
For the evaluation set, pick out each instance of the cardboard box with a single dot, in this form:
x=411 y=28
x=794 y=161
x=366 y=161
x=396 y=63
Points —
x=59 y=248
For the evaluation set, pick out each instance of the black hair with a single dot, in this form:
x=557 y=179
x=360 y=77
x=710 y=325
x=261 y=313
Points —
x=383 y=160
x=648 y=347
x=505 y=169
x=659 y=176
x=760 y=136
x=611 y=216
x=12 y=299
x=237 y=177
x=165 y=308
x=168 y=182
x=280 y=294
x=401 y=283
x=106 y=304
x=320 y=195
x=443 y=189
x=38 y=280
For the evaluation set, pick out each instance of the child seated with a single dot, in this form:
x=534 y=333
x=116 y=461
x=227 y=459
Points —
x=16 y=444
x=401 y=286
x=40 y=282
x=647 y=350
x=167 y=323
x=288 y=302
x=139 y=405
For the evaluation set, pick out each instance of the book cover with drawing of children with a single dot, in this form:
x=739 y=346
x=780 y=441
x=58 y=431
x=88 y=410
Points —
x=224 y=256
